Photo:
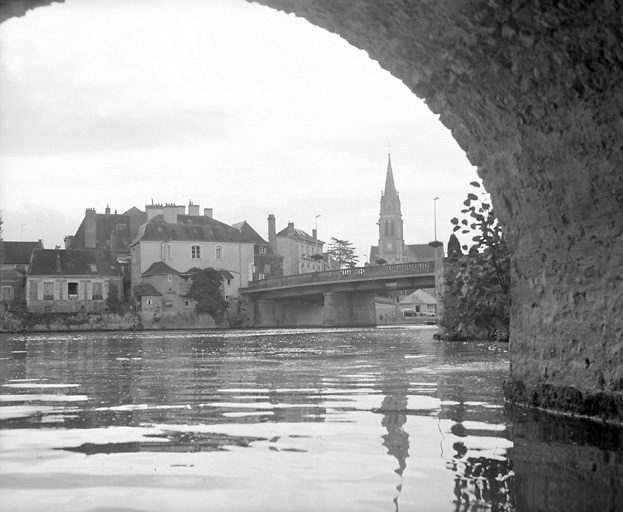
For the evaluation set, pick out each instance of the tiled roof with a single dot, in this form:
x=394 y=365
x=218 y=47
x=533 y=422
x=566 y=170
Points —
x=189 y=228
x=422 y=252
x=18 y=253
x=298 y=234
x=413 y=252
x=159 y=268
x=73 y=262
x=249 y=234
x=419 y=297
x=106 y=225
x=134 y=211
x=226 y=274
x=149 y=290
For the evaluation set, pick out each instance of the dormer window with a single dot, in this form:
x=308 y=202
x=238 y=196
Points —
x=93 y=267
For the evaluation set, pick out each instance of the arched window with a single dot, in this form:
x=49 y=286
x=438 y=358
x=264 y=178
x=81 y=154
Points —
x=386 y=228
x=392 y=230
x=195 y=252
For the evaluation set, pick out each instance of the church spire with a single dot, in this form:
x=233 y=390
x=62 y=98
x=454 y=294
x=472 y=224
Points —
x=390 y=187
x=391 y=243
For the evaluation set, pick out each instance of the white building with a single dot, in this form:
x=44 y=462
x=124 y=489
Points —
x=185 y=241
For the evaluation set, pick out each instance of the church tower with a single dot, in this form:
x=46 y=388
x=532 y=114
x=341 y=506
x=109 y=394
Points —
x=391 y=242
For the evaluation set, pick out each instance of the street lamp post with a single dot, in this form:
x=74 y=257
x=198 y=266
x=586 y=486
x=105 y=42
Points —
x=435 y=243
x=316 y=238
x=435 y=216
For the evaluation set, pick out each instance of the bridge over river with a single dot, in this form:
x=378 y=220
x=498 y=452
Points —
x=332 y=298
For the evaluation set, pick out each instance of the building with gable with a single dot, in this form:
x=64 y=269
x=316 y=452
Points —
x=421 y=302
x=301 y=252
x=184 y=241
x=70 y=281
x=169 y=285
x=266 y=262
x=14 y=263
x=111 y=232
x=391 y=246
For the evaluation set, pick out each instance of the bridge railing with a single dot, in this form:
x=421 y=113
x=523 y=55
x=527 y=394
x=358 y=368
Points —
x=420 y=267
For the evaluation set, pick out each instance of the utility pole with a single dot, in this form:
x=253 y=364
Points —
x=435 y=243
x=316 y=238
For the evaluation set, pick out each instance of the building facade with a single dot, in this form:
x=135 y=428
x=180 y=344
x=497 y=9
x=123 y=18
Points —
x=185 y=241
x=14 y=263
x=266 y=262
x=111 y=232
x=301 y=252
x=70 y=281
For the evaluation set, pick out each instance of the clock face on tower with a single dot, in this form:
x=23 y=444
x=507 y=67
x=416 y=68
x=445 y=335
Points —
x=389 y=245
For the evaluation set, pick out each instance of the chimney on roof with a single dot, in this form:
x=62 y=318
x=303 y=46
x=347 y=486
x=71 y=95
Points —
x=68 y=239
x=272 y=233
x=170 y=213
x=107 y=210
x=314 y=234
x=90 y=228
x=290 y=228
x=152 y=210
x=208 y=212
x=193 y=209
x=58 y=260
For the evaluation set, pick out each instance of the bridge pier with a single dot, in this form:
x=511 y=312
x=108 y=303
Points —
x=348 y=309
x=286 y=313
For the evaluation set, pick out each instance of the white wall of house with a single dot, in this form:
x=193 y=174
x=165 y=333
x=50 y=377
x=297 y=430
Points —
x=184 y=255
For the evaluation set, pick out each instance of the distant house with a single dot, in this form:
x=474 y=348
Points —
x=266 y=263
x=14 y=263
x=151 y=300
x=301 y=252
x=421 y=302
x=67 y=281
x=168 y=284
x=183 y=242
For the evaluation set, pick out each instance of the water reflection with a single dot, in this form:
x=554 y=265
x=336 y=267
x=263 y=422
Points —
x=376 y=419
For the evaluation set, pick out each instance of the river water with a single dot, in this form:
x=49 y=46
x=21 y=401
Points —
x=382 y=419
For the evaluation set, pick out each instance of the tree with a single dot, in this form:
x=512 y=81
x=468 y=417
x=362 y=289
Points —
x=113 y=301
x=206 y=291
x=479 y=291
x=343 y=252
x=454 y=247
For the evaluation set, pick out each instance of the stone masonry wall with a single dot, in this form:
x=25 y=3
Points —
x=533 y=92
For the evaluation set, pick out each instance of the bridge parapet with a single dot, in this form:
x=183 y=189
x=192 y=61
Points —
x=373 y=271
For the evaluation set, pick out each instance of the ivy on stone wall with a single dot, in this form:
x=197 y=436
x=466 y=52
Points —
x=476 y=300
x=114 y=304
x=206 y=291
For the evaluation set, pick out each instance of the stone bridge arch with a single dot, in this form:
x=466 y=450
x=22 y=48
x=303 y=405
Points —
x=533 y=92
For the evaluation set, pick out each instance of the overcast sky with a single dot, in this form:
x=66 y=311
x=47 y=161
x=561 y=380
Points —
x=234 y=106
